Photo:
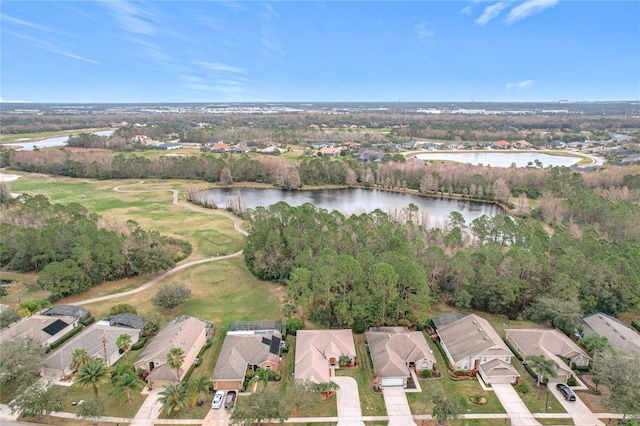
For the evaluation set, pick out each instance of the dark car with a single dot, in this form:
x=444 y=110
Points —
x=230 y=400
x=566 y=392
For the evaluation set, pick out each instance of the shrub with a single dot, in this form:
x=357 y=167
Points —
x=459 y=373
x=523 y=388
x=359 y=326
x=571 y=381
x=139 y=344
x=89 y=321
x=123 y=308
x=293 y=325
x=636 y=324
x=426 y=373
x=171 y=295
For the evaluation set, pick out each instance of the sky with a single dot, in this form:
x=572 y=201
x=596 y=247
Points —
x=116 y=51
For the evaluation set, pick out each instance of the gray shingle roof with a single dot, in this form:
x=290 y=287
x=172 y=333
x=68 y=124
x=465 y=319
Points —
x=472 y=336
x=391 y=352
x=620 y=337
x=240 y=350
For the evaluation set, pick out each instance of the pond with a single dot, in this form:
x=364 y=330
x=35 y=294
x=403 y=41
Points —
x=502 y=158
x=434 y=211
x=50 y=142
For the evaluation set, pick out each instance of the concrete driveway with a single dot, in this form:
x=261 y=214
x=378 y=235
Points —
x=513 y=405
x=150 y=409
x=348 y=400
x=580 y=413
x=217 y=417
x=397 y=406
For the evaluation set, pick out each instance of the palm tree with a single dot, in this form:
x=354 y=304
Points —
x=198 y=386
x=594 y=343
x=542 y=367
x=264 y=375
x=127 y=383
x=124 y=344
x=173 y=398
x=79 y=357
x=175 y=359
x=92 y=373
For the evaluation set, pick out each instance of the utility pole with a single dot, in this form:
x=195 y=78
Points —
x=105 y=336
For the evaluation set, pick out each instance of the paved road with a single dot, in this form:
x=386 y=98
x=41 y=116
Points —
x=513 y=405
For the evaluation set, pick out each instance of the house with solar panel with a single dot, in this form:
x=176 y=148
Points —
x=248 y=345
x=44 y=329
x=99 y=340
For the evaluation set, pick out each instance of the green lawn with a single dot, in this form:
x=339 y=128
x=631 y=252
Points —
x=114 y=403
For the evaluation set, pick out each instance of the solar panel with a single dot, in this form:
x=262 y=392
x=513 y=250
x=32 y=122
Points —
x=55 y=327
x=275 y=345
x=266 y=341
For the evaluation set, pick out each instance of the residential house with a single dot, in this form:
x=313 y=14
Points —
x=368 y=154
x=318 y=353
x=68 y=311
x=619 y=336
x=396 y=352
x=247 y=346
x=501 y=144
x=169 y=146
x=552 y=344
x=414 y=162
x=43 y=328
x=330 y=151
x=472 y=344
x=272 y=150
x=320 y=145
x=187 y=333
x=220 y=147
x=99 y=340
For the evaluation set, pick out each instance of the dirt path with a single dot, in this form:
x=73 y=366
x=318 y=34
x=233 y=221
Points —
x=236 y=224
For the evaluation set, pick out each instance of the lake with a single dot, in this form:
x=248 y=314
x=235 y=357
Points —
x=356 y=200
x=50 y=142
x=502 y=159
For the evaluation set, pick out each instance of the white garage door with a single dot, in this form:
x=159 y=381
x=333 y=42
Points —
x=393 y=382
x=500 y=379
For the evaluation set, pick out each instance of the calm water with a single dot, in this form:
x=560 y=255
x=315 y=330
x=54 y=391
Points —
x=50 y=142
x=355 y=200
x=502 y=159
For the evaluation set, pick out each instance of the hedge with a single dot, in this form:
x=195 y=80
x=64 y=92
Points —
x=64 y=338
x=89 y=321
x=139 y=344
x=636 y=324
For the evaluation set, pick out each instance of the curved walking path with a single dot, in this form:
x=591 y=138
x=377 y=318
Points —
x=236 y=224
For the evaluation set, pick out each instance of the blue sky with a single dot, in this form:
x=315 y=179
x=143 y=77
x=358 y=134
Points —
x=256 y=51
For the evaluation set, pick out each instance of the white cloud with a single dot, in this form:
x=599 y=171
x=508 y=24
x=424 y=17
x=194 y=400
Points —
x=521 y=85
x=49 y=46
x=467 y=10
x=273 y=47
x=31 y=25
x=132 y=18
x=528 y=8
x=217 y=66
x=491 y=12
x=424 y=31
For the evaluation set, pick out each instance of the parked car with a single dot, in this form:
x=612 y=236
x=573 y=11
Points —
x=230 y=400
x=566 y=392
x=217 y=399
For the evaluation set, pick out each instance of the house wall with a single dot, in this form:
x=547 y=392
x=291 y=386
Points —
x=227 y=384
x=194 y=350
x=272 y=365
x=580 y=360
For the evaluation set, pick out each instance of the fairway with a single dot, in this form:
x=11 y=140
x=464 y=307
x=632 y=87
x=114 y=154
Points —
x=223 y=291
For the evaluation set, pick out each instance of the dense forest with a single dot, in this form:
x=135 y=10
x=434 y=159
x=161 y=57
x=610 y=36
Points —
x=73 y=249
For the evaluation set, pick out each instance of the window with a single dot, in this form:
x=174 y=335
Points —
x=465 y=366
x=484 y=359
x=507 y=359
x=579 y=362
x=268 y=368
x=425 y=365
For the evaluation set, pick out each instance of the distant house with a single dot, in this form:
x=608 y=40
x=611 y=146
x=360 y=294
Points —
x=619 y=336
x=220 y=147
x=318 y=353
x=552 y=344
x=332 y=151
x=396 y=352
x=248 y=345
x=472 y=344
x=501 y=144
x=45 y=329
x=99 y=340
x=169 y=146
x=272 y=150
x=320 y=145
x=187 y=333
x=414 y=162
x=368 y=154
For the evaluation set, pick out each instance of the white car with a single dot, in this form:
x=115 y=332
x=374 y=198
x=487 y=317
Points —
x=217 y=399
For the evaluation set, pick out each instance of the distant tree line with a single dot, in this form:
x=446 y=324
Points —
x=72 y=252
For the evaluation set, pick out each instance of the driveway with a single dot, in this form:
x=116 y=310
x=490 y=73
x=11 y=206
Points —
x=217 y=417
x=150 y=409
x=513 y=405
x=348 y=400
x=397 y=406
x=580 y=413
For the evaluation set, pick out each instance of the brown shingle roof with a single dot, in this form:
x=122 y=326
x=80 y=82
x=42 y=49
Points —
x=472 y=336
x=391 y=352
